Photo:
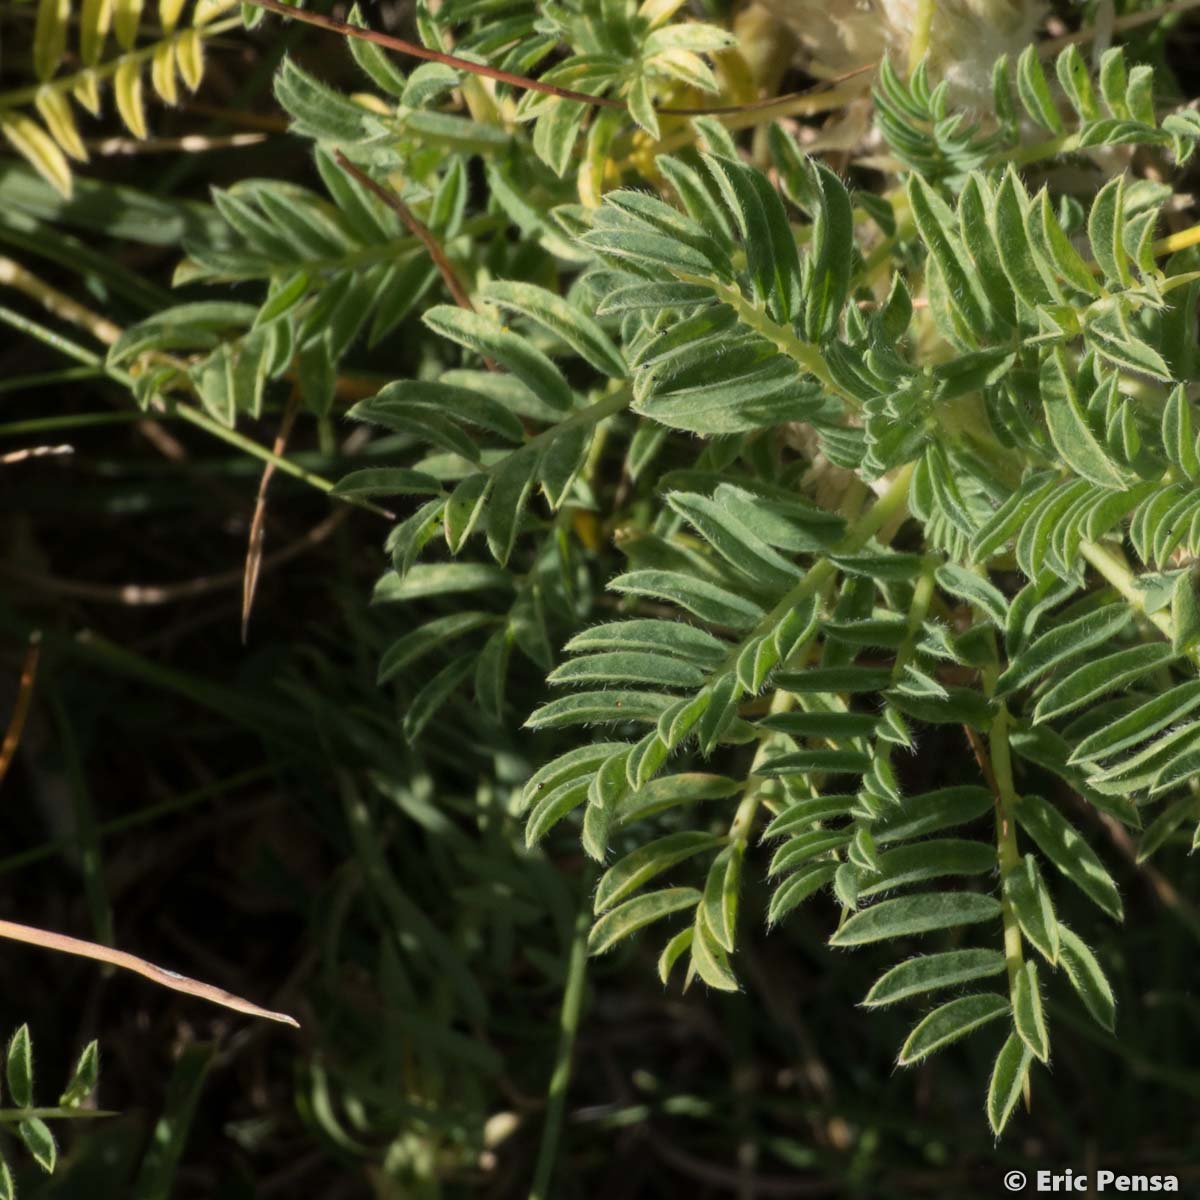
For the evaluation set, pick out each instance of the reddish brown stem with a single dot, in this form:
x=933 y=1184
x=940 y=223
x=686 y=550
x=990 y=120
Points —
x=413 y=50
x=416 y=227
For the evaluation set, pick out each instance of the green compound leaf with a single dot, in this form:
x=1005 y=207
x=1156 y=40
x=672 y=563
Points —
x=931 y=972
x=1035 y=91
x=1106 y=227
x=975 y=589
x=672 y=952
x=709 y=959
x=19 y=1067
x=938 y=230
x=720 y=902
x=625 y=877
x=910 y=915
x=1185 y=614
x=1017 y=252
x=933 y=812
x=798 y=887
x=637 y=913
x=708 y=601
x=1028 y=1018
x=553 y=313
x=1068 y=426
x=628 y=666
x=1009 y=1074
x=1063 y=642
x=734 y=540
x=950 y=1022
x=1145 y=721
x=84 y=1078
x=1066 y=849
x=1087 y=977
x=832 y=254
x=39 y=1141
x=488 y=339
x=1099 y=678
x=761 y=219
x=1034 y=910
x=930 y=859
x=1076 y=81
x=1070 y=263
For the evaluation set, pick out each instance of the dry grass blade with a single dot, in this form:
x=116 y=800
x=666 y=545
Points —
x=131 y=962
x=254 y=551
x=16 y=723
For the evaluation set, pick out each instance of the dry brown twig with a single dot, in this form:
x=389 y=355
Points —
x=130 y=962
x=254 y=549
x=16 y=723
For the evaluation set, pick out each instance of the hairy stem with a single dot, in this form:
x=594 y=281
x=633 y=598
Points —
x=1006 y=833
x=918 y=610
x=1110 y=566
x=997 y=761
x=747 y=810
x=780 y=336
x=882 y=513
x=1175 y=242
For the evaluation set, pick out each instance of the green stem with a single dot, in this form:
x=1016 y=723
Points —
x=608 y=406
x=143 y=816
x=918 y=610
x=1122 y=578
x=12 y=1116
x=1007 y=854
x=231 y=436
x=20 y=383
x=568 y=1027
x=747 y=809
x=882 y=513
x=184 y=411
x=780 y=336
x=1022 y=156
x=49 y=338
